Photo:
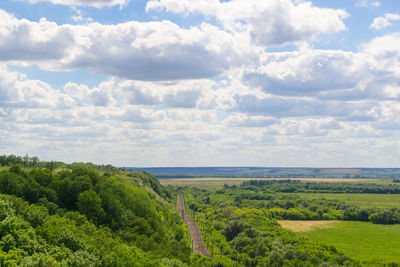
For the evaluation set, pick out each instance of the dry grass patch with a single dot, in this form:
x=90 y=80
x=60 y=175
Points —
x=306 y=226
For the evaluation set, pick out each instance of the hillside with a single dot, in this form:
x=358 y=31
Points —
x=82 y=217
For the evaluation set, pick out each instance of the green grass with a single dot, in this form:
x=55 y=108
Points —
x=215 y=198
x=3 y=168
x=361 y=200
x=361 y=240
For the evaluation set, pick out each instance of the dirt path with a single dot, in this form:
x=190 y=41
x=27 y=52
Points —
x=197 y=242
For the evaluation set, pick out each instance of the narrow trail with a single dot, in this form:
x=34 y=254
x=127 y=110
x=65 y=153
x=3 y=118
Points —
x=197 y=242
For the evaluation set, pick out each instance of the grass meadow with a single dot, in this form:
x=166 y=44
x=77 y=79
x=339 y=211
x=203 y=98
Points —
x=361 y=240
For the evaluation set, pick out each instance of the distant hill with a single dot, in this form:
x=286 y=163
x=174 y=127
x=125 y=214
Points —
x=269 y=172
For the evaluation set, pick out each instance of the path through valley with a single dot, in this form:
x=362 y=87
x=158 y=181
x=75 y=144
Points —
x=197 y=242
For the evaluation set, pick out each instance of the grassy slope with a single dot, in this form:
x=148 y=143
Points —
x=153 y=231
x=362 y=240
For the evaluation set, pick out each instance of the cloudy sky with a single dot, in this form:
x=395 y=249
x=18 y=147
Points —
x=202 y=82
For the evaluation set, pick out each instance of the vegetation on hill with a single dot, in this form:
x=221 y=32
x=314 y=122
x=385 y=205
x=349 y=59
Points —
x=295 y=207
x=240 y=223
x=251 y=237
x=34 y=162
x=80 y=217
x=84 y=215
x=296 y=186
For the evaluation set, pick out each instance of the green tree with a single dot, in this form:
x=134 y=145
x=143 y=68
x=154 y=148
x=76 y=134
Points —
x=234 y=228
x=89 y=203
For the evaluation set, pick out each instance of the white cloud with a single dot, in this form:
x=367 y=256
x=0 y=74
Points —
x=383 y=22
x=306 y=72
x=269 y=23
x=161 y=105
x=386 y=51
x=244 y=120
x=93 y=3
x=163 y=132
x=134 y=50
x=80 y=17
x=281 y=107
x=18 y=91
x=177 y=94
x=33 y=41
x=139 y=115
x=367 y=3
x=371 y=73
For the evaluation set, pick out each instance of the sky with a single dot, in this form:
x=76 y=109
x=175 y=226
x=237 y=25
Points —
x=284 y=83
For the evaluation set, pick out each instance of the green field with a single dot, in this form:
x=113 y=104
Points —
x=361 y=240
x=361 y=200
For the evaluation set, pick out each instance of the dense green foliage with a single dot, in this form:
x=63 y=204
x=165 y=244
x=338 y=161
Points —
x=263 y=194
x=34 y=162
x=82 y=215
x=251 y=237
x=295 y=186
x=82 y=218
x=239 y=224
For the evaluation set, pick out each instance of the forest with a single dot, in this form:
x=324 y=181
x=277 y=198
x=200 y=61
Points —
x=84 y=215
x=243 y=222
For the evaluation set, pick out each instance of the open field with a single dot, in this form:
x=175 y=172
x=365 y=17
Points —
x=361 y=240
x=361 y=200
x=305 y=226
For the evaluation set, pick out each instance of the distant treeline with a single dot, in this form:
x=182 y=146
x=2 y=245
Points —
x=34 y=162
x=292 y=207
x=293 y=186
x=270 y=172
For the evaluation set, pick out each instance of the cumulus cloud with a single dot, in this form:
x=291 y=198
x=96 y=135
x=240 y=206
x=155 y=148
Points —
x=385 y=51
x=367 y=3
x=84 y=96
x=80 y=17
x=244 y=120
x=134 y=50
x=292 y=107
x=370 y=73
x=269 y=23
x=306 y=72
x=161 y=105
x=153 y=51
x=92 y=3
x=173 y=94
x=385 y=21
x=33 y=41
x=154 y=130
x=18 y=91
x=139 y=115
